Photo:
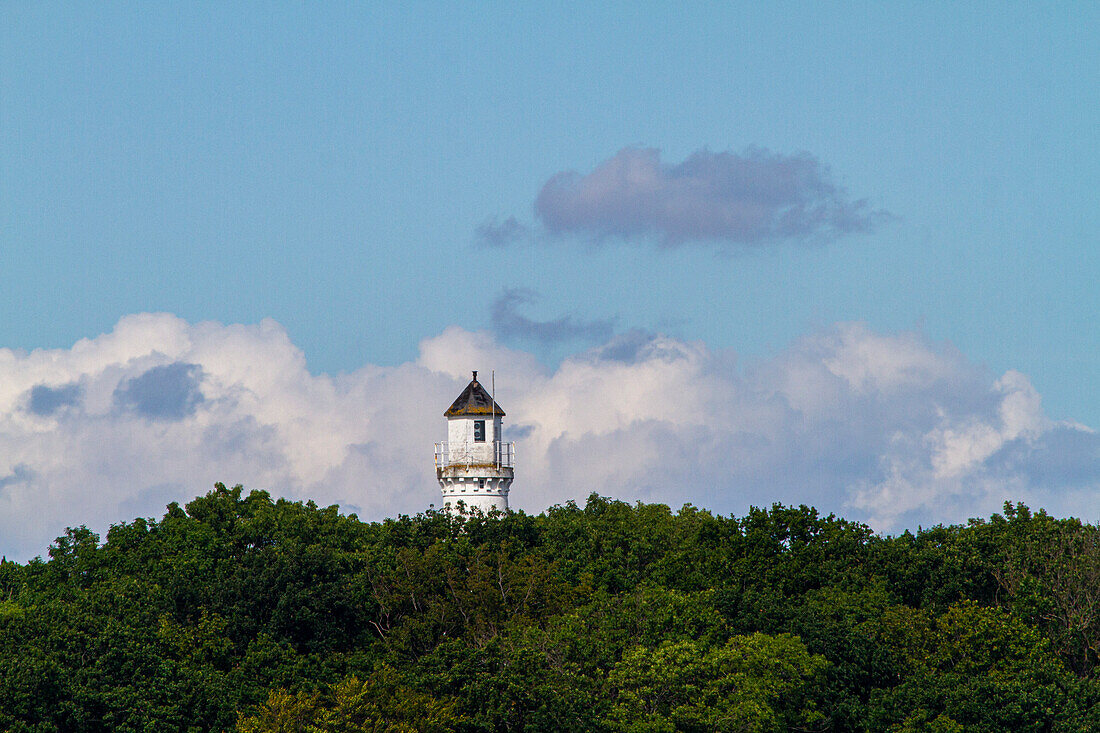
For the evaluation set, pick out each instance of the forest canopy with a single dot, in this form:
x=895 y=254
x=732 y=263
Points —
x=240 y=612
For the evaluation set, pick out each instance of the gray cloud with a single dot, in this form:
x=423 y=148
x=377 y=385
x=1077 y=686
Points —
x=169 y=392
x=1063 y=455
x=636 y=345
x=748 y=198
x=495 y=233
x=20 y=473
x=510 y=323
x=151 y=501
x=519 y=432
x=45 y=401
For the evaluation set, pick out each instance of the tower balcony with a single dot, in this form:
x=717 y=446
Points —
x=495 y=454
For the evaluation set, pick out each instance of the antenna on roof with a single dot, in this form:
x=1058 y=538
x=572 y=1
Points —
x=493 y=399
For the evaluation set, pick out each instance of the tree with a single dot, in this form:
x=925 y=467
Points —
x=1050 y=572
x=980 y=668
x=754 y=683
x=378 y=704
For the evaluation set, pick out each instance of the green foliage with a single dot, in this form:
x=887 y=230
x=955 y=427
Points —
x=242 y=612
x=377 y=704
x=981 y=669
x=756 y=684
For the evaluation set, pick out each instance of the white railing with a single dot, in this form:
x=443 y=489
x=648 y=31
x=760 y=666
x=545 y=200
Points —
x=497 y=454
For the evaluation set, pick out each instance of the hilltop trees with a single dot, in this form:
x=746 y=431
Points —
x=238 y=611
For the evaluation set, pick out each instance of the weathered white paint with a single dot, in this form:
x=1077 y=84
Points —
x=460 y=431
x=479 y=488
x=471 y=473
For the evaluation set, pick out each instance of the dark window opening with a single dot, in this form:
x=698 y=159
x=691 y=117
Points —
x=481 y=483
x=479 y=431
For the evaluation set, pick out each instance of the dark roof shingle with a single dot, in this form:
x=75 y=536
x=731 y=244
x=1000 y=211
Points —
x=474 y=400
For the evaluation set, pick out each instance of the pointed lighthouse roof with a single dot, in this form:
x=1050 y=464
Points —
x=474 y=400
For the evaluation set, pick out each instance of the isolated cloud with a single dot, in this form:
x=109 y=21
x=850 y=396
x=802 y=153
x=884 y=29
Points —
x=890 y=428
x=495 y=233
x=510 y=323
x=747 y=198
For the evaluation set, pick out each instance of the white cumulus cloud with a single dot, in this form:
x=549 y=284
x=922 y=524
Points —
x=890 y=428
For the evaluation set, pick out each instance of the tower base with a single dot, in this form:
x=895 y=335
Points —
x=484 y=488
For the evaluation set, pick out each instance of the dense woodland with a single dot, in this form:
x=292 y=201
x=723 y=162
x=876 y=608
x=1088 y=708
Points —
x=237 y=612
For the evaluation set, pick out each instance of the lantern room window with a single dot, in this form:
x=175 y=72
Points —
x=479 y=431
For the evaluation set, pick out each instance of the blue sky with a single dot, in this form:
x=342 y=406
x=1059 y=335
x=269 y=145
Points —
x=329 y=168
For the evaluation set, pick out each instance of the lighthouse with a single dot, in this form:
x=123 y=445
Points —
x=474 y=466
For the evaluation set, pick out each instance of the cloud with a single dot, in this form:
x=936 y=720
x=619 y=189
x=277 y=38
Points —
x=893 y=429
x=169 y=392
x=495 y=233
x=19 y=474
x=749 y=198
x=510 y=323
x=636 y=345
x=46 y=401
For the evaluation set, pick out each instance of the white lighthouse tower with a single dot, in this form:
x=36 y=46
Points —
x=474 y=466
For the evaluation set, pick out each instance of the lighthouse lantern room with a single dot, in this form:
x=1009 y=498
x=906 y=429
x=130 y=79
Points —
x=474 y=466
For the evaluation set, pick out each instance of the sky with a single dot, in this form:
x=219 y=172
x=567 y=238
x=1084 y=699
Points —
x=843 y=255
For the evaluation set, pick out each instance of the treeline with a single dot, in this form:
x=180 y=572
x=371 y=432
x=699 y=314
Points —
x=237 y=612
